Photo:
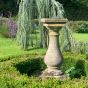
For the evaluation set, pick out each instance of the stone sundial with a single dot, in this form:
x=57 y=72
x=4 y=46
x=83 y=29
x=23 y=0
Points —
x=53 y=58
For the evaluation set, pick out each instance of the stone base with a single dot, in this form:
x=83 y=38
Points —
x=53 y=73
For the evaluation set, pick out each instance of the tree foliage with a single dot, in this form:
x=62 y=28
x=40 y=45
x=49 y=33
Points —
x=44 y=9
x=75 y=9
x=76 y=2
x=82 y=2
x=8 y=5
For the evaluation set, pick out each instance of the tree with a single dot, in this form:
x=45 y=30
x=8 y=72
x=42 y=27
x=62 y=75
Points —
x=9 y=5
x=77 y=2
x=44 y=8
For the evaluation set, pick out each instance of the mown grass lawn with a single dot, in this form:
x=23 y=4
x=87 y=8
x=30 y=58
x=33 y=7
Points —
x=81 y=36
x=9 y=47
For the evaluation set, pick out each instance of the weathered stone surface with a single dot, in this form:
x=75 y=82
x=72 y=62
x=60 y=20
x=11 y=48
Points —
x=53 y=58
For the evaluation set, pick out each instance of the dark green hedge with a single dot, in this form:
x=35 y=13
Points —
x=79 y=26
x=82 y=28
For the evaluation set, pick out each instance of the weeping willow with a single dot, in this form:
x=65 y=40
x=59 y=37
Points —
x=24 y=24
x=48 y=9
x=37 y=9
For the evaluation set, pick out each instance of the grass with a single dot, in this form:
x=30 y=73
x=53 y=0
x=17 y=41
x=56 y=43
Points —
x=16 y=67
x=15 y=73
x=81 y=36
x=8 y=47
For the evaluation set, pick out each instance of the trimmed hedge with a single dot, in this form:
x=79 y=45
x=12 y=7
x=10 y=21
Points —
x=20 y=72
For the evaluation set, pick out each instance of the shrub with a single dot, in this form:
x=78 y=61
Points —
x=4 y=30
x=8 y=27
x=82 y=27
x=79 y=47
x=12 y=28
x=15 y=73
x=79 y=26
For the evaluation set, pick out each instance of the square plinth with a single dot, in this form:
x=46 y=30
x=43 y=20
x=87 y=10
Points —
x=53 y=22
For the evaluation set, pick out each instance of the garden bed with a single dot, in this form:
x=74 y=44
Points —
x=19 y=72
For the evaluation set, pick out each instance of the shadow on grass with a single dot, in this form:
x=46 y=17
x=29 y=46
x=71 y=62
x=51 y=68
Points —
x=31 y=66
x=33 y=48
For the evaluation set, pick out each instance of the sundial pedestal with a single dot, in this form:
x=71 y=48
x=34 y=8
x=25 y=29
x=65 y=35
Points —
x=53 y=58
